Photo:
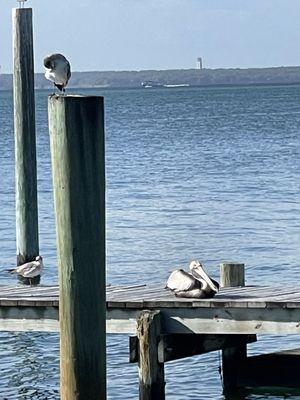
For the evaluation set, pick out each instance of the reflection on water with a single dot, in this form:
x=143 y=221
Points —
x=209 y=173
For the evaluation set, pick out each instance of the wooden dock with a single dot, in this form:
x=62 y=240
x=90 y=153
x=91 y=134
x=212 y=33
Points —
x=234 y=310
x=167 y=328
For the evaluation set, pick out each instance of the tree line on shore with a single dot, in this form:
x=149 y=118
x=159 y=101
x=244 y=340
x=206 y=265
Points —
x=192 y=77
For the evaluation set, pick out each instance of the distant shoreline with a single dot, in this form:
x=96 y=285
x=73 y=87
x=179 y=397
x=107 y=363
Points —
x=248 y=85
x=183 y=77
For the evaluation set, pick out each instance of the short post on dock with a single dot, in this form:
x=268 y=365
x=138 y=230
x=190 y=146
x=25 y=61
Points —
x=232 y=275
x=76 y=126
x=25 y=137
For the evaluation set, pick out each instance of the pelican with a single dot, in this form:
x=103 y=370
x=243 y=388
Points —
x=194 y=284
x=30 y=269
x=57 y=70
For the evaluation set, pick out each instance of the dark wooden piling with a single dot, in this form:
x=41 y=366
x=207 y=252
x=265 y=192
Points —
x=151 y=371
x=25 y=138
x=232 y=274
x=77 y=150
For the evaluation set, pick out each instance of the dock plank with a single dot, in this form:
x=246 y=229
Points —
x=158 y=296
x=240 y=310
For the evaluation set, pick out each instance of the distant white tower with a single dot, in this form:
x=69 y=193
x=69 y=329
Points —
x=199 y=64
x=21 y=3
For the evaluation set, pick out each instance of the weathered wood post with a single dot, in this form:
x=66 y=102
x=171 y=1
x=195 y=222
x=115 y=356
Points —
x=151 y=371
x=232 y=274
x=76 y=125
x=25 y=140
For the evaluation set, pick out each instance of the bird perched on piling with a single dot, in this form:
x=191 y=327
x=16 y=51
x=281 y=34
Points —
x=57 y=70
x=30 y=269
x=194 y=284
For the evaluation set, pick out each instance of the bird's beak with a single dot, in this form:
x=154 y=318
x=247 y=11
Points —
x=199 y=273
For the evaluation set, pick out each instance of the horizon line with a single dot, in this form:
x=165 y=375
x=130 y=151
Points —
x=171 y=69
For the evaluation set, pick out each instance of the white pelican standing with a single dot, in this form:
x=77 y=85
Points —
x=195 y=284
x=30 y=269
x=57 y=70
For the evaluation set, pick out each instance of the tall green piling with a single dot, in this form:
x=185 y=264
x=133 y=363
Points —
x=76 y=126
x=25 y=137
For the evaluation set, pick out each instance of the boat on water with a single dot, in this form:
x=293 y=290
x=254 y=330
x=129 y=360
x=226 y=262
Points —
x=152 y=84
x=177 y=85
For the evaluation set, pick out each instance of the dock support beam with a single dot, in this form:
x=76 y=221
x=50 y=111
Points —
x=232 y=274
x=78 y=164
x=25 y=138
x=151 y=371
x=151 y=349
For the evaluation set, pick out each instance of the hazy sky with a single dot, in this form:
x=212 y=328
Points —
x=160 y=34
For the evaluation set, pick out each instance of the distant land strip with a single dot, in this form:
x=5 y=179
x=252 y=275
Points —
x=154 y=78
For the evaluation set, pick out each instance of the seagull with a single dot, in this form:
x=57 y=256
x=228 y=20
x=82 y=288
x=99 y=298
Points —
x=30 y=269
x=194 y=284
x=57 y=70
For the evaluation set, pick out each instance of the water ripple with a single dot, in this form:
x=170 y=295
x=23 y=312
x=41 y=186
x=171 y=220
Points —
x=209 y=173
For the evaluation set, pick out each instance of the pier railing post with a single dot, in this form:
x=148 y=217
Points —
x=25 y=138
x=151 y=371
x=77 y=151
x=231 y=275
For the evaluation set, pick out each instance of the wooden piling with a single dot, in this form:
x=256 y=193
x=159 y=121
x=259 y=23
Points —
x=151 y=371
x=232 y=274
x=76 y=126
x=25 y=138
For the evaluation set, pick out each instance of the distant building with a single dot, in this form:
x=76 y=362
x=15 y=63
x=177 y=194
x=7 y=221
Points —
x=199 y=64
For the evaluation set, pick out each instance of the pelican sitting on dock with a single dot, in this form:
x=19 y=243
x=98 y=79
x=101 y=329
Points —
x=194 y=284
x=30 y=269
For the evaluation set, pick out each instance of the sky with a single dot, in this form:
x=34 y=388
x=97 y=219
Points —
x=119 y=35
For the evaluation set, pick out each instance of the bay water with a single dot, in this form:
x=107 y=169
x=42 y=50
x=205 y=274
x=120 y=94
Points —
x=207 y=173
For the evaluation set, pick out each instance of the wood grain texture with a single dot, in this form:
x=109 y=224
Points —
x=176 y=346
x=151 y=372
x=156 y=297
x=232 y=275
x=76 y=126
x=240 y=314
x=25 y=137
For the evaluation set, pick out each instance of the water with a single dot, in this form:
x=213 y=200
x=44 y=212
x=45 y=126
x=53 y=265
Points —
x=191 y=173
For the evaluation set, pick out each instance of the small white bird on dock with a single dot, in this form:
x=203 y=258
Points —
x=194 y=284
x=57 y=70
x=30 y=269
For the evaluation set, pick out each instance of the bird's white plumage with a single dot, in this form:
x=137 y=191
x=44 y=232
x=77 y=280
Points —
x=30 y=269
x=57 y=70
x=59 y=75
x=194 y=284
x=181 y=280
x=198 y=273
